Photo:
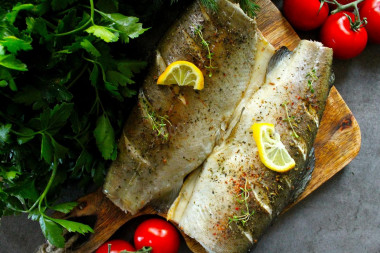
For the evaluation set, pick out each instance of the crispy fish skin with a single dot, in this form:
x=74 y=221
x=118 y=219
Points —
x=148 y=166
x=234 y=171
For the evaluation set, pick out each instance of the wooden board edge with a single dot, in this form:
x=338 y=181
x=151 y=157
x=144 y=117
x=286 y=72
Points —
x=275 y=28
x=348 y=129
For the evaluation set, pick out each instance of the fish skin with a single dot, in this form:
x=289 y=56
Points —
x=235 y=163
x=148 y=167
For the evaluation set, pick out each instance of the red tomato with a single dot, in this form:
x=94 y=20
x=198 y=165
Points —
x=158 y=234
x=117 y=246
x=371 y=10
x=305 y=15
x=336 y=33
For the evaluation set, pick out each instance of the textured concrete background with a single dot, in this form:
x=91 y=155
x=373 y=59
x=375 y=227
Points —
x=341 y=216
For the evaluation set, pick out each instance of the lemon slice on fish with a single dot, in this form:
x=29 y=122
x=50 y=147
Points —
x=272 y=151
x=183 y=73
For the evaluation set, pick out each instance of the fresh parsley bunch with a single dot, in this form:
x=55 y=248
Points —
x=63 y=86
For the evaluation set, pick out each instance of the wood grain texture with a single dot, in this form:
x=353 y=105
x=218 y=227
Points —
x=274 y=26
x=337 y=143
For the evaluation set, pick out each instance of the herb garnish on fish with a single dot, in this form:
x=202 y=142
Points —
x=198 y=31
x=311 y=79
x=159 y=123
x=243 y=198
x=289 y=120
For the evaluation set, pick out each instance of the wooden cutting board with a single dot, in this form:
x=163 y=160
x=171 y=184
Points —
x=337 y=143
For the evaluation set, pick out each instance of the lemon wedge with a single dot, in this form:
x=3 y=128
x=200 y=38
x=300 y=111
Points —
x=272 y=151
x=183 y=73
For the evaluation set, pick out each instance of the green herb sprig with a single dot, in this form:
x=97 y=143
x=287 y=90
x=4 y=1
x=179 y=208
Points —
x=159 y=123
x=198 y=31
x=243 y=198
x=289 y=120
x=250 y=7
x=311 y=78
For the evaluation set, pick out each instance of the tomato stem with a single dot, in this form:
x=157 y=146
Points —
x=341 y=7
x=355 y=24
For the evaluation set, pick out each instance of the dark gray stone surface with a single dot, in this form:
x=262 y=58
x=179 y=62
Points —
x=341 y=216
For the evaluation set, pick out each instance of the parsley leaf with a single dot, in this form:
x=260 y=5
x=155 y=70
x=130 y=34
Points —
x=4 y=132
x=73 y=226
x=53 y=119
x=9 y=61
x=103 y=33
x=89 y=47
x=105 y=137
x=65 y=207
x=47 y=150
x=128 y=27
x=25 y=189
x=52 y=232
x=14 y=44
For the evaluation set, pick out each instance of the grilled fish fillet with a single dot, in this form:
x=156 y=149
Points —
x=170 y=133
x=228 y=203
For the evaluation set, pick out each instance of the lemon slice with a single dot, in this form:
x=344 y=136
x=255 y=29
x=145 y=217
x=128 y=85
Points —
x=272 y=151
x=183 y=73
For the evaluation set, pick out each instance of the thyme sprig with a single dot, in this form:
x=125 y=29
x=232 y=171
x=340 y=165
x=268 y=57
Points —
x=198 y=31
x=312 y=77
x=243 y=198
x=289 y=120
x=159 y=123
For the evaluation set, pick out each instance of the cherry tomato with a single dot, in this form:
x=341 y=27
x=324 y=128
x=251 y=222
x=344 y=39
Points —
x=371 y=10
x=305 y=15
x=158 y=234
x=336 y=33
x=117 y=246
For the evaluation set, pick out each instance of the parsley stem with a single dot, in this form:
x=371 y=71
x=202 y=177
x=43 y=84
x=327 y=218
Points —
x=49 y=24
x=16 y=210
x=44 y=193
x=77 y=77
x=75 y=30
x=90 y=20
x=34 y=205
x=52 y=177
x=24 y=135
x=97 y=99
x=92 y=11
